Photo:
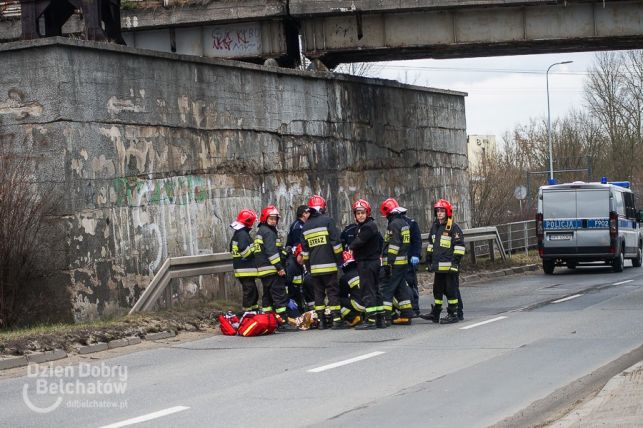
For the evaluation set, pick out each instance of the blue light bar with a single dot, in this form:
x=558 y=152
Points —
x=551 y=181
x=603 y=180
x=625 y=184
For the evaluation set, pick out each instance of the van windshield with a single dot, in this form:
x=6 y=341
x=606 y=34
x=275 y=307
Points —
x=559 y=204
x=593 y=203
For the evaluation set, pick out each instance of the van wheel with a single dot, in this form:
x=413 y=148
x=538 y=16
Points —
x=548 y=266
x=619 y=262
x=636 y=262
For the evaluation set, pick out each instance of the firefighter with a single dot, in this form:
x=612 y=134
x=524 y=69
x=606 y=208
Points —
x=415 y=252
x=243 y=258
x=269 y=265
x=395 y=263
x=299 y=285
x=294 y=231
x=322 y=254
x=348 y=234
x=366 y=249
x=349 y=292
x=443 y=254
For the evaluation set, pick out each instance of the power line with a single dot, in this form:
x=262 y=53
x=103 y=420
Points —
x=479 y=70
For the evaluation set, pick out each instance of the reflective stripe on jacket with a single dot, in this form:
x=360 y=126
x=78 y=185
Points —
x=396 y=242
x=267 y=253
x=243 y=256
x=321 y=248
x=445 y=247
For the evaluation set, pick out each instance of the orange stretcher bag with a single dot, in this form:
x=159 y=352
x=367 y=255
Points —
x=257 y=324
x=228 y=323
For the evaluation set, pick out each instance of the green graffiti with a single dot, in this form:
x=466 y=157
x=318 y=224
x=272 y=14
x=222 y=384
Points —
x=176 y=190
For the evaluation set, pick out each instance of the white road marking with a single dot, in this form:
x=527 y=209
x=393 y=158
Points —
x=345 y=362
x=567 y=298
x=483 y=323
x=147 y=417
x=623 y=282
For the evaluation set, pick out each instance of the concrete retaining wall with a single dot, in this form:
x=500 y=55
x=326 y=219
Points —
x=153 y=154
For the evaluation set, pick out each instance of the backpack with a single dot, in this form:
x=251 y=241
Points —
x=257 y=324
x=228 y=323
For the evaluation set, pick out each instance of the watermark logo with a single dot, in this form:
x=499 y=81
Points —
x=81 y=386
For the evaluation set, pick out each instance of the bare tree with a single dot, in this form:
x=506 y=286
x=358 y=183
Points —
x=363 y=69
x=614 y=94
x=604 y=140
x=24 y=211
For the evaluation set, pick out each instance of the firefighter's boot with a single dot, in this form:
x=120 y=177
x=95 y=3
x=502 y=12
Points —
x=355 y=321
x=402 y=321
x=434 y=315
x=450 y=318
x=381 y=322
x=323 y=321
x=338 y=322
x=367 y=324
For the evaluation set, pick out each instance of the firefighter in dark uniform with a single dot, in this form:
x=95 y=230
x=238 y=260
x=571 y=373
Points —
x=294 y=231
x=415 y=252
x=395 y=263
x=322 y=253
x=443 y=255
x=348 y=234
x=349 y=293
x=299 y=284
x=243 y=258
x=366 y=249
x=269 y=266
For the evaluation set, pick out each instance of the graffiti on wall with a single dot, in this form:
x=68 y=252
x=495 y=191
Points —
x=239 y=40
x=156 y=209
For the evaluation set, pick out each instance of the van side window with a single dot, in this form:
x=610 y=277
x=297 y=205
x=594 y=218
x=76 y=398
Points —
x=630 y=209
x=619 y=205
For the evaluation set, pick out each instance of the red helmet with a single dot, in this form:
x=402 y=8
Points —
x=297 y=251
x=267 y=212
x=347 y=258
x=362 y=204
x=316 y=202
x=247 y=217
x=388 y=206
x=443 y=203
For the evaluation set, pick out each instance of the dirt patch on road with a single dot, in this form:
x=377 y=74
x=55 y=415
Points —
x=71 y=336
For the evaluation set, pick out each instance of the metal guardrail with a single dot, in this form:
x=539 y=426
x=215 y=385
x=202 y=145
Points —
x=221 y=263
x=180 y=267
x=518 y=236
x=474 y=237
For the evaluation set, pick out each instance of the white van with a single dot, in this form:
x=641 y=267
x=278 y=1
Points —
x=587 y=222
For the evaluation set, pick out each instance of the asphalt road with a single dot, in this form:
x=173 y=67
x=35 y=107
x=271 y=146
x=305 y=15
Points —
x=524 y=337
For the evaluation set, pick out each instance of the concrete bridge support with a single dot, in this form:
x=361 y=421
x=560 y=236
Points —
x=153 y=154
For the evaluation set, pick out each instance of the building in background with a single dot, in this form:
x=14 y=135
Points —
x=477 y=146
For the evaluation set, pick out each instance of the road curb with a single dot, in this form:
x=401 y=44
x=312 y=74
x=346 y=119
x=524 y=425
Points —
x=95 y=347
x=13 y=362
x=118 y=343
x=133 y=340
x=160 y=335
x=44 y=357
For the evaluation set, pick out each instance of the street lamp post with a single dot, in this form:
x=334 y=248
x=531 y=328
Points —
x=551 y=153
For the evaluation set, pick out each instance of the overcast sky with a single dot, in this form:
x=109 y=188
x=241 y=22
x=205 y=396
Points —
x=503 y=91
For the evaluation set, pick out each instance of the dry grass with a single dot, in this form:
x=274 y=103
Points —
x=68 y=336
x=485 y=264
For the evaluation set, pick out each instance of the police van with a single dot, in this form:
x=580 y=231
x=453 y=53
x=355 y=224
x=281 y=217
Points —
x=588 y=222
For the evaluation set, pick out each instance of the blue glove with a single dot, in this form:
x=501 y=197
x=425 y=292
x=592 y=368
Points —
x=292 y=305
x=415 y=260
